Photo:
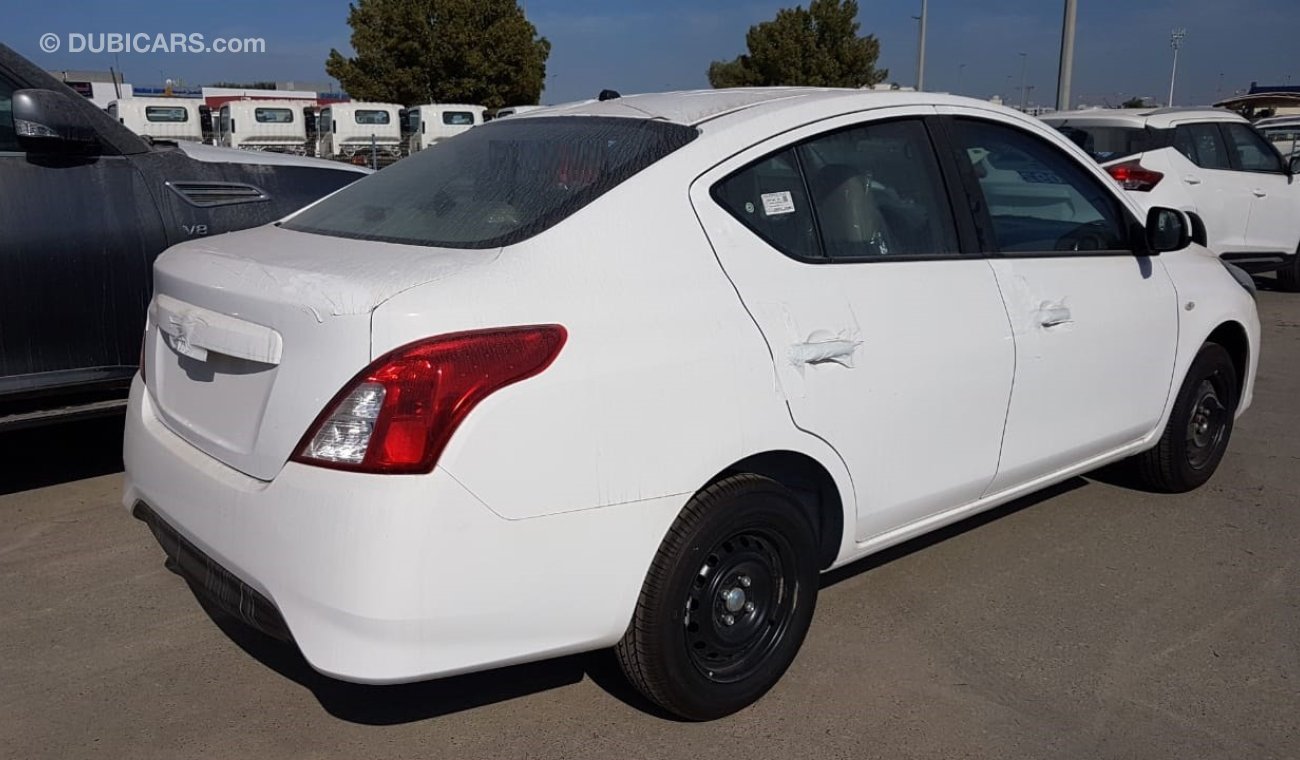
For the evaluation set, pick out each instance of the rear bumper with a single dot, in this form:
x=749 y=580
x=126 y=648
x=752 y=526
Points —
x=385 y=579
x=1259 y=263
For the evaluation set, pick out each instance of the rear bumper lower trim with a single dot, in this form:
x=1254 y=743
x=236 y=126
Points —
x=213 y=582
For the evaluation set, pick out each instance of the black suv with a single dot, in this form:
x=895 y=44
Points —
x=86 y=206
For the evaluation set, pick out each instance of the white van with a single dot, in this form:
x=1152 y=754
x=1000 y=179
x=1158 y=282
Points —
x=428 y=124
x=275 y=125
x=159 y=118
x=345 y=129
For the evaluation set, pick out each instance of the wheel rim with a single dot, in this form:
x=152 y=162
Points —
x=739 y=605
x=1208 y=424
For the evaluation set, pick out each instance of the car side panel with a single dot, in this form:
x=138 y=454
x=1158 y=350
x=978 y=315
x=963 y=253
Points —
x=664 y=381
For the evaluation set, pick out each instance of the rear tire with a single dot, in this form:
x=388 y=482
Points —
x=1197 y=434
x=727 y=601
x=1288 y=277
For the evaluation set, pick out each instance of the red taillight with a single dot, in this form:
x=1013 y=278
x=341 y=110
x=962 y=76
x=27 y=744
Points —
x=398 y=414
x=1131 y=175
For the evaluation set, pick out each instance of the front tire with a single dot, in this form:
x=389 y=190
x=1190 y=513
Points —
x=1197 y=434
x=727 y=601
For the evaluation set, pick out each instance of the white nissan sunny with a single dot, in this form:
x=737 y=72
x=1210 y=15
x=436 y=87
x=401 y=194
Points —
x=631 y=373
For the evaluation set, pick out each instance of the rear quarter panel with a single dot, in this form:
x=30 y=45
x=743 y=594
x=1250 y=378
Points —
x=664 y=382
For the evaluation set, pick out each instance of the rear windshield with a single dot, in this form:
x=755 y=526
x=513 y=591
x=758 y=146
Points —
x=1109 y=143
x=371 y=117
x=273 y=115
x=494 y=185
x=458 y=118
x=166 y=113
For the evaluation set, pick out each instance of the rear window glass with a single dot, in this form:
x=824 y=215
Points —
x=273 y=115
x=166 y=113
x=372 y=117
x=494 y=185
x=458 y=118
x=1109 y=143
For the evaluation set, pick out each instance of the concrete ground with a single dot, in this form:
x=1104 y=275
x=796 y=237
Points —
x=1090 y=622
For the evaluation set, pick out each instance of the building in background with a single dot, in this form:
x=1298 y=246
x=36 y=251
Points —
x=99 y=87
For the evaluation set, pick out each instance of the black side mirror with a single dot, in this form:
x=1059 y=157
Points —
x=1294 y=164
x=1167 y=230
x=49 y=122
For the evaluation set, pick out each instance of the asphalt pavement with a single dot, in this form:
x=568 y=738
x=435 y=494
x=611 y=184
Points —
x=1093 y=621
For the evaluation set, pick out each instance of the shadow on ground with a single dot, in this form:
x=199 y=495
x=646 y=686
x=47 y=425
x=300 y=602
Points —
x=405 y=703
x=60 y=453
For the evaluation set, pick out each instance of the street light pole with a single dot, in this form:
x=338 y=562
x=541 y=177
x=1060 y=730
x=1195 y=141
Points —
x=1176 y=42
x=920 y=48
x=1066 y=72
x=1024 y=79
x=961 y=74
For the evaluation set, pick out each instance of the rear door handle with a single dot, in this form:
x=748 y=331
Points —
x=1189 y=179
x=1259 y=193
x=1051 y=315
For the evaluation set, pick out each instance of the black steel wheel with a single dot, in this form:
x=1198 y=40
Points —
x=727 y=601
x=1199 y=427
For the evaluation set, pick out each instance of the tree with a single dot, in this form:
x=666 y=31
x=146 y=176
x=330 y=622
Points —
x=428 y=51
x=1134 y=103
x=817 y=47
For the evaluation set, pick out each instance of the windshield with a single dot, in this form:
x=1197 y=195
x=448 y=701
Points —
x=1109 y=143
x=1286 y=138
x=273 y=115
x=494 y=185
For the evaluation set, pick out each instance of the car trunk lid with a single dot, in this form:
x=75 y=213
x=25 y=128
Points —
x=250 y=334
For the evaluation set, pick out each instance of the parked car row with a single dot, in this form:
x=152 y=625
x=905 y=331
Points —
x=1212 y=163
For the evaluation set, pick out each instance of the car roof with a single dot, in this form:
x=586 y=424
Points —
x=1158 y=118
x=695 y=107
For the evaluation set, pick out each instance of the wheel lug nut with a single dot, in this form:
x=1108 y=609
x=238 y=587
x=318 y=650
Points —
x=749 y=606
x=728 y=620
x=744 y=581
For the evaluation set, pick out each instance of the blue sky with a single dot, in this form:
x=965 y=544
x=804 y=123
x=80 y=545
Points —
x=639 y=45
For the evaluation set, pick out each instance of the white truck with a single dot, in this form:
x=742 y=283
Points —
x=159 y=118
x=274 y=125
x=351 y=130
x=427 y=124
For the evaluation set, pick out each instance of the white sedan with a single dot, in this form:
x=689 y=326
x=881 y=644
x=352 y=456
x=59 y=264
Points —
x=632 y=373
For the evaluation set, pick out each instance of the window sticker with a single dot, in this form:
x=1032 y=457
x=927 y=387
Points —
x=775 y=204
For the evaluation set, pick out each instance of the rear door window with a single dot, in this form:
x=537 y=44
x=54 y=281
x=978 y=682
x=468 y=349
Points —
x=1253 y=153
x=495 y=185
x=458 y=118
x=1202 y=145
x=769 y=197
x=878 y=191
